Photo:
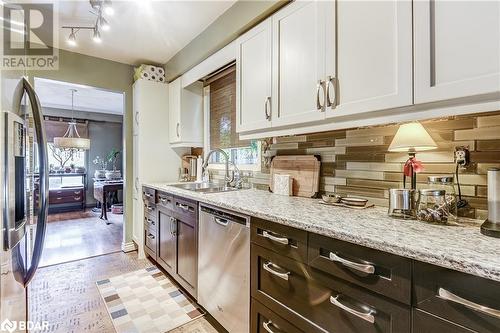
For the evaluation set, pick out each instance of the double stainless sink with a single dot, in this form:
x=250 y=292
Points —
x=205 y=187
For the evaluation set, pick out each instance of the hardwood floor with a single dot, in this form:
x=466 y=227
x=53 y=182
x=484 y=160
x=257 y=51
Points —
x=79 y=235
x=66 y=295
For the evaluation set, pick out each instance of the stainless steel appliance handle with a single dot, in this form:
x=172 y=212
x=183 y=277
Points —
x=365 y=268
x=281 y=240
x=320 y=85
x=449 y=296
x=267 y=267
x=266 y=107
x=43 y=180
x=368 y=316
x=267 y=326
x=222 y=222
x=329 y=101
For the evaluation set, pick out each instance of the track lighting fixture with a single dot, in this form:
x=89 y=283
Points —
x=100 y=7
x=72 y=38
x=97 y=35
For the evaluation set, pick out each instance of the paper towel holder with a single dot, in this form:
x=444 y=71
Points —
x=491 y=227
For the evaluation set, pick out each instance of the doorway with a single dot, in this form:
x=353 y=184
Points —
x=85 y=184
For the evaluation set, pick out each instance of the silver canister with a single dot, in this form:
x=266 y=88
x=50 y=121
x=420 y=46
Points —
x=491 y=227
x=402 y=203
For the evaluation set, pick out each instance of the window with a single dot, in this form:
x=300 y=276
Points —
x=222 y=121
x=56 y=157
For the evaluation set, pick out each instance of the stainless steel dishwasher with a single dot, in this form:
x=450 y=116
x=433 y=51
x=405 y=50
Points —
x=224 y=267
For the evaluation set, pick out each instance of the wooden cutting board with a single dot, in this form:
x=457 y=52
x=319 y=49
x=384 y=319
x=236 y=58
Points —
x=304 y=169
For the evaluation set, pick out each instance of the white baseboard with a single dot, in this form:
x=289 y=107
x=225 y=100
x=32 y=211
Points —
x=128 y=247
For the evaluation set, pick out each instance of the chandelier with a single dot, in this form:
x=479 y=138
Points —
x=71 y=140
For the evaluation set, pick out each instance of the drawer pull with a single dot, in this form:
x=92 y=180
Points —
x=365 y=268
x=164 y=200
x=368 y=316
x=183 y=206
x=148 y=195
x=150 y=236
x=150 y=221
x=76 y=192
x=267 y=326
x=281 y=240
x=267 y=266
x=449 y=296
x=77 y=198
x=149 y=208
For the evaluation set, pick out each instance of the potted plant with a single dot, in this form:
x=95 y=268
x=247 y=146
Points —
x=101 y=163
x=112 y=158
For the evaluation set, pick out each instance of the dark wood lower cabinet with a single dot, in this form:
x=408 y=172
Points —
x=424 y=322
x=263 y=320
x=167 y=243
x=187 y=255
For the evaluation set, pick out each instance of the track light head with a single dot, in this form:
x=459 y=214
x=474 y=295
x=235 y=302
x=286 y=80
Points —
x=72 y=38
x=103 y=24
x=108 y=7
x=97 y=35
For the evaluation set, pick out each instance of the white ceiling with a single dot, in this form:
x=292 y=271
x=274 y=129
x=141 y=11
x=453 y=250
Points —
x=57 y=94
x=142 y=31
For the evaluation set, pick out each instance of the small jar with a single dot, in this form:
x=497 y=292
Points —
x=447 y=184
x=432 y=206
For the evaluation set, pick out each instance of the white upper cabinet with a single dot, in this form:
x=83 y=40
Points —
x=299 y=56
x=254 y=79
x=457 y=49
x=374 y=57
x=185 y=114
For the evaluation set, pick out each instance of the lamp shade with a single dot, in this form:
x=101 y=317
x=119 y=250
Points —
x=72 y=143
x=412 y=137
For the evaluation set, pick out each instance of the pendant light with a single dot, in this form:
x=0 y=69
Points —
x=71 y=140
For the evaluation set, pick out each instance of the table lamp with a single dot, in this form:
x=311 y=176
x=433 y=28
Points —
x=412 y=138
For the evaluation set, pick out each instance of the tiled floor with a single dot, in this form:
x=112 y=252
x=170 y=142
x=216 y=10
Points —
x=78 y=235
x=66 y=295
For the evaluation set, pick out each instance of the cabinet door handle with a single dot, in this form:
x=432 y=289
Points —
x=368 y=316
x=177 y=129
x=222 y=222
x=136 y=183
x=320 y=86
x=449 y=296
x=137 y=117
x=331 y=102
x=267 y=110
x=172 y=224
x=365 y=268
x=281 y=240
x=271 y=268
x=267 y=326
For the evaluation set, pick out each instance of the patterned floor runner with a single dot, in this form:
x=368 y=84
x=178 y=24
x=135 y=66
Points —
x=146 y=301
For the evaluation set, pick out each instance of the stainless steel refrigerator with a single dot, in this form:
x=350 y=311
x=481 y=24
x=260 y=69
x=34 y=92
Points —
x=24 y=192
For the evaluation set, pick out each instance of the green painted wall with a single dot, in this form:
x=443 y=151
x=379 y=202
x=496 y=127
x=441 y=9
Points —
x=104 y=74
x=236 y=20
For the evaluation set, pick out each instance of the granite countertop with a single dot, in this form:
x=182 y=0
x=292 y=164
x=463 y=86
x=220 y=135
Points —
x=462 y=248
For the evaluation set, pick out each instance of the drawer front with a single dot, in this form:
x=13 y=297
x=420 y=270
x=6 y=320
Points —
x=68 y=199
x=383 y=273
x=467 y=300
x=150 y=210
x=426 y=323
x=148 y=195
x=284 y=240
x=327 y=302
x=264 y=320
x=186 y=210
x=150 y=239
x=164 y=200
x=66 y=192
x=151 y=224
